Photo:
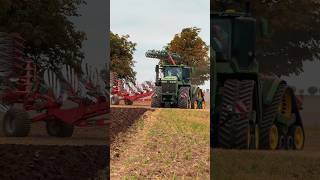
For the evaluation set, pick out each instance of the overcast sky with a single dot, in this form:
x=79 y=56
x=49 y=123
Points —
x=310 y=76
x=94 y=21
x=153 y=23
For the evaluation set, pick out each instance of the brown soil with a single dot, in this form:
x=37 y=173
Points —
x=40 y=156
x=51 y=162
x=123 y=117
x=85 y=155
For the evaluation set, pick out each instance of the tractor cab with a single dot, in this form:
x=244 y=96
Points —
x=233 y=38
x=174 y=74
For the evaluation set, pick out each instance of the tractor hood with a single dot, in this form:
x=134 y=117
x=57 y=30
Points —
x=170 y=78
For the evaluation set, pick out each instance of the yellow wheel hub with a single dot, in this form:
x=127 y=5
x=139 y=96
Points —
x=203 y=104
x=273 y=137
x=298 y=138
x=195 y=105
x=285 y=107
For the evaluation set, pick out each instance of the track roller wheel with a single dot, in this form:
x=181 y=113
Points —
x=195 y=105
x=298 y=137
x=58 y=128
x=16 y=123
x=273 y=137
x=184 y=98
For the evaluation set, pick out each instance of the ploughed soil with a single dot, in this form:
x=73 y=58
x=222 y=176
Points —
x=52 y=161
x=83 y=156
x=123 y=117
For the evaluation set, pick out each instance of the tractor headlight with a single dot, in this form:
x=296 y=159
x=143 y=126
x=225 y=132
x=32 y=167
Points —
x=172 y=82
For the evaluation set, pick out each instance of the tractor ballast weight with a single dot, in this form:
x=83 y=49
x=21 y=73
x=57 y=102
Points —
x=249 y=110
x=174 y=88
x=25 y=87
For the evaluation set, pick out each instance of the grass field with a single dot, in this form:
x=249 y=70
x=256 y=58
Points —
x=168 y=144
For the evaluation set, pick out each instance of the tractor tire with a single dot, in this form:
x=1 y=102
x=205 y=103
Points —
x=268 y=118
x=16 y=123
x=58 y=128
x=115 y=100
x=234 y=131
x=156 y=98
x=184 y=101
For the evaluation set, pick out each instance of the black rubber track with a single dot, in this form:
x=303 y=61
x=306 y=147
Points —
x=233 y=132
x=269 y=115
x=156 y=98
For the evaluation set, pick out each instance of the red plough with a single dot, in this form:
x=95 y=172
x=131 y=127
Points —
x=27 y=89
x=127 y=91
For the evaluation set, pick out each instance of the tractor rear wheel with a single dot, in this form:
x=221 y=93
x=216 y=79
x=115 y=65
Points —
x=234 y=129
x=156 y=98
x=58 y=128
x=184 y=98
x=115 y=100
x=16 y=123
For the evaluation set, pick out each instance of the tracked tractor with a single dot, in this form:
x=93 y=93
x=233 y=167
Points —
x=173 y=84
x=249 y=110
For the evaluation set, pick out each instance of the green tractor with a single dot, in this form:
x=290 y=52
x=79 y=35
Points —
x=249 y=110
x=173 y=84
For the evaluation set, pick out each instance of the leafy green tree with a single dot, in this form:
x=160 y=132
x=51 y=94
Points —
x=50 y=36
x=121 y=55
x=293 y=32
x=194 y=52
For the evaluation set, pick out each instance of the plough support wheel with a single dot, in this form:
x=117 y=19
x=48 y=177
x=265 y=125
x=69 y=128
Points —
x=58 y=128
x=16 y=123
